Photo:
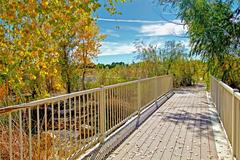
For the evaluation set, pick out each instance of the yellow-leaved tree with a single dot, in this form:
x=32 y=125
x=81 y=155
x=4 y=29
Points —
x=45 y=46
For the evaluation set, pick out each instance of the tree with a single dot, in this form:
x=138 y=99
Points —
x=148 y=54
x=213 y=29
x=41 y=43
x=172 y=51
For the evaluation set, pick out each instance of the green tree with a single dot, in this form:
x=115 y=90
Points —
x=214 y=31
x=148 y=55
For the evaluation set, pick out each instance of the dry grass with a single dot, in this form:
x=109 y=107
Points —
x=37 y=152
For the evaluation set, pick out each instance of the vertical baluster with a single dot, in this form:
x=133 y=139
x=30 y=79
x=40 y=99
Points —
x=121 y=97
x=70 y=119
x=88 y=114
x=65 y=123
x=155 y=88
x=135 y=100
x=38 y=133
x=21 y=134
x=120 y=107
x=95 y=114
x=110 y=109
x=65 y=126
x=133 y=104
x=99 y=104
x=124 y=103
x=139 y=96
x=45 y=110
x=127 y=100
x=59 y=127
x=90 y=117
x=10 y=135
x=84 y=120
x=115 y=106
x=75 y=120
x=131 y=100
x=92 y=125
x=117 y=103
x=122 y=100
x=53 y=135
x=121 y=111
x=30 y=133
x=80 y=121
x=107 y=112
x=118 y=98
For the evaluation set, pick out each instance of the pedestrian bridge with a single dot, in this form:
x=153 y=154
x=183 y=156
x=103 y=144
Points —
x=142 y=119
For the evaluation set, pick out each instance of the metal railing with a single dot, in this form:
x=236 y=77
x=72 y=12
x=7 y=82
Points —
x=63 y=126
x=227 y=101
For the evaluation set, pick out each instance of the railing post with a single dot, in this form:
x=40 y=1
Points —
x=102 y=111
x=233 y=121
x=138 y=100
x=212 y=88
x=219 y=93
x=156 y=90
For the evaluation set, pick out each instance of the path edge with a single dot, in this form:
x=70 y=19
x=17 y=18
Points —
x=222 y=143
x=101 y=151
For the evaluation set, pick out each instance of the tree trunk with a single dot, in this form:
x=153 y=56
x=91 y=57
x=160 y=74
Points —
x=68 y=83
x=83 y=78
x=85 y=53
x=66 y=70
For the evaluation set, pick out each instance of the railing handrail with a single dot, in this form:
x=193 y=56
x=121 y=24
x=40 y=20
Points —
x=134 y=81
x=45 y=100
x=69 y=95
x=237 y=95
x=224 y=85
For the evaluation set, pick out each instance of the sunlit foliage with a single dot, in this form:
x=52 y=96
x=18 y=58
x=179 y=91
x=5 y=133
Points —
x=154 y=61
x=46 y=45
x=214 y=32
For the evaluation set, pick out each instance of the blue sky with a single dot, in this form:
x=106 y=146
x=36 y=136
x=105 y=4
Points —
x=140 y=20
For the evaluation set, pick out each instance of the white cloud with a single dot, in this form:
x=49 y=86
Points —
x=162 y=29
x=113 y=48
x=128 y=20
x=153 y=28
